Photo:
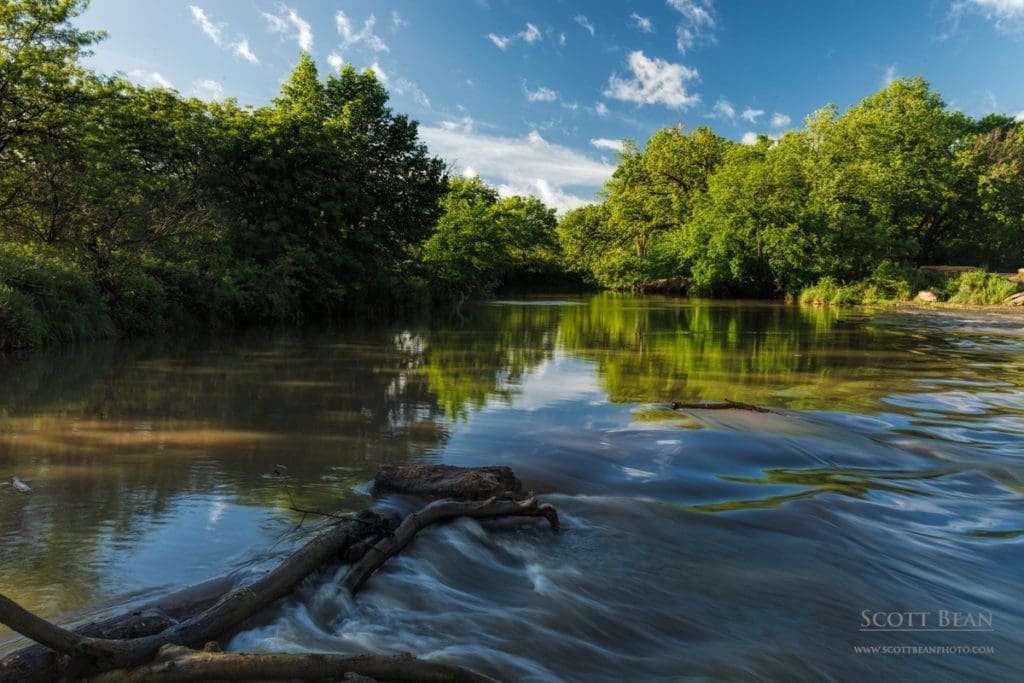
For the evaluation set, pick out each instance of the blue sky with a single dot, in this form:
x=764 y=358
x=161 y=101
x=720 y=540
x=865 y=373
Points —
x=534 y=95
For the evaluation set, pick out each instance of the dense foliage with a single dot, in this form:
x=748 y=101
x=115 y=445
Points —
x=130 y=210
x=896 y=182
x=138 y=210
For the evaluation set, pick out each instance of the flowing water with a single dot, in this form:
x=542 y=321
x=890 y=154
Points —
x=718 y=545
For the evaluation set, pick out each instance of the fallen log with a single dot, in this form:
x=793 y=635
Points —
x=445 y=481
x=440 y=511
x=90 y=654
x=176 y=664
x=366 y=540
x=724 y=405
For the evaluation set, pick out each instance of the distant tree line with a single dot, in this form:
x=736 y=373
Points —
x=896 y=182
x=130 y=210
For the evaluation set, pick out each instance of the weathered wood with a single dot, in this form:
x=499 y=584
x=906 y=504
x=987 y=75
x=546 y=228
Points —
x=440 y=511
x=724 y=405
x=40 y=663
x=445 y=481
x=91 y=654
x=182 y=665
x=123 y=646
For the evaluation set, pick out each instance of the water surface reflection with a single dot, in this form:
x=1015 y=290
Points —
x=720 y=544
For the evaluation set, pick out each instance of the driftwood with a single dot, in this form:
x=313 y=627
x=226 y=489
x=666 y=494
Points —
x=1016 y=299
x=445 y=481
x=176 y=664
x=724 y=405
x=367 y=540
x=440 y=511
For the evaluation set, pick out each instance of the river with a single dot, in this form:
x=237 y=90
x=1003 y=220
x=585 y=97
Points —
x=719 y=545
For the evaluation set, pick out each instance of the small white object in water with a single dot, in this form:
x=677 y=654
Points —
x=18 y=484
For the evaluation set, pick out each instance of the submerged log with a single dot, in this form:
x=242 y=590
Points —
x=181 y=665
x=91 y=654
x=127 y=646
x=724 y=405
x=440 y=511
x=445 y=481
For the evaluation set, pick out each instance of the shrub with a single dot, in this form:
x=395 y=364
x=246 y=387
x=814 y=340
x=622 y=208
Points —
x=979 y=287
x=20 y=323
x=829 y=291
x=67 y=305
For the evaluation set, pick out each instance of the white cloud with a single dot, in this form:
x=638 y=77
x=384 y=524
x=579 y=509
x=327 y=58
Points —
x=397 y=21
x=209 y=28
x=601 y=108
x=642 y=23
x=531 y=34
x=501 y=42
x=528 y=165
x=1001 y=11
x=723 y=109
x=780 y=120
x=561 y=39
x=381 y=75
x=364 y=36
x=208 y=89
x=336 y=61
x=541 y=94
x=696 y=24
x=654 y=81
x=289 y=22
x=751 y=115
x=749 y=138
x=1019 y=117
x=889 y=76
x=241 y=49
x=151 y=79
x=399 y=86
x=585 y=23
x=607 y=143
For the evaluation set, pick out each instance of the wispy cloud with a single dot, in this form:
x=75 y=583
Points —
x=400 y=86
x=208 y=89
x=530 y=35
x=528 y=165
x=241 y=49
x=288 y=21
x=780 y=121
x=696 y=24
x=364 y=36
x=500 y=42
x=151 y=79
x=752 y=115
x=601 y=109
x=541 y=94
x=749 y=138
x=335 y=61
x=213 y=31
x=654 y=81
x=642 y=23
x=585 y=23
x=397 y=21
x=723 y=109
x=607 y=143
x=1002 y=12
